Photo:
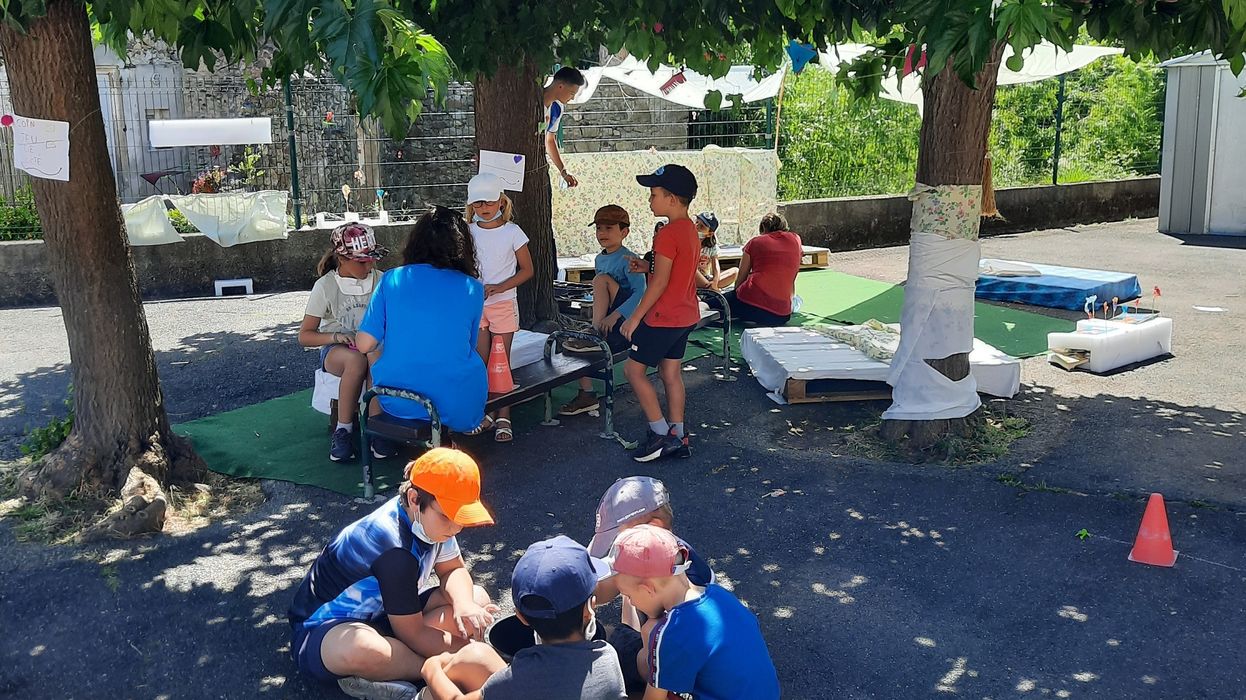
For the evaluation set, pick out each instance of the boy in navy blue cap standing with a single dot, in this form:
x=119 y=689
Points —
x=552 y=587
x=667 y=313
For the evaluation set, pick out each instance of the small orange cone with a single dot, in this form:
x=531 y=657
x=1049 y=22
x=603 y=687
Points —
x=1154 y=545
x=500 y=381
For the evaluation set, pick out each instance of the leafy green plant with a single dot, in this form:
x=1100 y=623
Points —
x=19 y=220
x=180 y=223
x=247 y=170
x=43 y=440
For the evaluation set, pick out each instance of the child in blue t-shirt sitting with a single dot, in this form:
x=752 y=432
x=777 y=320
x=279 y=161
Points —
x=701 y=640
x=616 y=291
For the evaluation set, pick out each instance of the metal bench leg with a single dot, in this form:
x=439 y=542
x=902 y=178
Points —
x=550 y=420
x=726 y=375
x=365 y=454
x=607 y=411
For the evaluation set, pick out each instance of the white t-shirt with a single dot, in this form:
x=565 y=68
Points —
x=339 y=312
x=495 y=251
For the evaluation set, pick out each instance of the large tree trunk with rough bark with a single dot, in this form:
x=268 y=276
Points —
x=509 y=112
x=120 y=423
x=956 y=124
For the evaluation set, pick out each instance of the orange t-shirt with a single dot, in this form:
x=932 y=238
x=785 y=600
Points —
x=677 y=307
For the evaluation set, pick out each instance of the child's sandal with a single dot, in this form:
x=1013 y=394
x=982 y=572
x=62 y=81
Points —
x=502 y=430
x=486 y=424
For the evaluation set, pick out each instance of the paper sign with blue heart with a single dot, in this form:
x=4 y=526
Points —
x=509 y=167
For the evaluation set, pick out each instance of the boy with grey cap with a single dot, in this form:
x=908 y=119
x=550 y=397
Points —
x=632 y=501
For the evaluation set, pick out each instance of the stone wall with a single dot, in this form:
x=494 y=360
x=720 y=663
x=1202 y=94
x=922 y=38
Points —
x=850 y=223
x=619 y=118
x=188 y=269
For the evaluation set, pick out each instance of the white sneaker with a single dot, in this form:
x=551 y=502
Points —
x=377 y=690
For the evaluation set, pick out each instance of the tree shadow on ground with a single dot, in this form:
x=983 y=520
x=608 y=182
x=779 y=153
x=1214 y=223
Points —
x=204 y=374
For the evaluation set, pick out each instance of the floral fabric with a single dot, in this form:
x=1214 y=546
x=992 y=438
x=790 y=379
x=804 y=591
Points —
x=874 y=339
x=740 y=185
x=950 y=211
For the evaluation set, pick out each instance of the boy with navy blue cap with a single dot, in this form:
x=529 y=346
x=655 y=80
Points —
x=668 y=311
x=552 y=587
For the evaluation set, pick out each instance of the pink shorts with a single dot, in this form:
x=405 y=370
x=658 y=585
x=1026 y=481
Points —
x=501 y=318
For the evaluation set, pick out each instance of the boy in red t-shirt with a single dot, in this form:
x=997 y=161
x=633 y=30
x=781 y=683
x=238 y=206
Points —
x=667 y=312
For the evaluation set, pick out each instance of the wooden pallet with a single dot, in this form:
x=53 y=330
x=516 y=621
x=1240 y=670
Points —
x=821 y=390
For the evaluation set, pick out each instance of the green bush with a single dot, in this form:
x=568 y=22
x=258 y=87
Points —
x=180 y=223
x=41 y=441
x=19 y=220
x=833 y=146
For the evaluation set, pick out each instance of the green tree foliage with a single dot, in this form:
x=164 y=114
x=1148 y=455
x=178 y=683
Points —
x=832 y=145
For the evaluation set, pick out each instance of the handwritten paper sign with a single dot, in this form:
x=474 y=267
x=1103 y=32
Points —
x=509 y=167
x=41 y=147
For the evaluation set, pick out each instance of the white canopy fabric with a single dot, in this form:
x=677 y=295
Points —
x=1041 y=62
x=691 y=93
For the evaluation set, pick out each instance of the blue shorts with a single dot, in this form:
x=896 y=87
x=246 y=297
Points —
x=326 y=349
x=305 y=642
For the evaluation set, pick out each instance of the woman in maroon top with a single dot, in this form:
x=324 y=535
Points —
x=767 y=278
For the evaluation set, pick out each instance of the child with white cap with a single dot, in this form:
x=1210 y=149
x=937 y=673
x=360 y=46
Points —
x=700 y=640
x=505 y=263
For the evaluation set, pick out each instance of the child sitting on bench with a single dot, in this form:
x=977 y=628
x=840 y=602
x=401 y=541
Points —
x=709 y=272
x=335 y=309
x=616 y=291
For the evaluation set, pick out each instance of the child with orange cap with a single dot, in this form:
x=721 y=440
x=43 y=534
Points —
x=359 y=618
x=700 y=640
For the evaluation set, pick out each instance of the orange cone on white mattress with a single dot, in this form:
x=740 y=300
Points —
x=500 y=381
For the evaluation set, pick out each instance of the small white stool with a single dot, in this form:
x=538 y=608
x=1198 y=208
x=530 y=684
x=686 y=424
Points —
x=244 y=283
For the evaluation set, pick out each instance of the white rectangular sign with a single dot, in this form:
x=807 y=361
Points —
x=166 y=133
x=41 y=147
x=509 y=167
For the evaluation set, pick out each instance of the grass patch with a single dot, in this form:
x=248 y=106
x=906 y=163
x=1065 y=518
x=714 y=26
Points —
x=990 y=440
x=59 y=522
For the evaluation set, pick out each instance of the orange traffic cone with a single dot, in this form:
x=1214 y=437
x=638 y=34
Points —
x=500 y=381
x=1154 y=545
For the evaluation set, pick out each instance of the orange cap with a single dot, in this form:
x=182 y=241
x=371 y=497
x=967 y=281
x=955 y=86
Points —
x=454 y=479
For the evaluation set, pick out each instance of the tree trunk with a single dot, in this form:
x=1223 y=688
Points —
x=509 y=112
x=120 y=421
x=956 y=124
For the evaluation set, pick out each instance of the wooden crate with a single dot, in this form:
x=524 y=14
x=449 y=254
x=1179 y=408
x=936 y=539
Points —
x=820 y=390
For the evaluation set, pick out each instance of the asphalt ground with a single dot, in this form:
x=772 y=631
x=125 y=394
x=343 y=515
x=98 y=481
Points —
x=870 y=579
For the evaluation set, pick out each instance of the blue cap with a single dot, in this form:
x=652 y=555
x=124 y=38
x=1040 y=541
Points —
x=554 y=576
x=710 y=221
x=675 y=179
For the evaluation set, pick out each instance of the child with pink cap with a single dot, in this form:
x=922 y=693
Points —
x=700 y=640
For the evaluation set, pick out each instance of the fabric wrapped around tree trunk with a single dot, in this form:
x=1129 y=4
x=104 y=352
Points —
x=937 y=318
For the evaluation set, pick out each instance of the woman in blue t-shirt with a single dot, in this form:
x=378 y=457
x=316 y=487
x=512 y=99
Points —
x=424 y=317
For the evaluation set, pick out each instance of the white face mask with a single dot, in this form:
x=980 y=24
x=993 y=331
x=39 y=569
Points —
x=354 y=287
x=589 y=632
x=477 y=219
x=417 y=529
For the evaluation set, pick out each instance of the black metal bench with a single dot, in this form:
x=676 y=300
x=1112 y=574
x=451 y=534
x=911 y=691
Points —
x=532 y=381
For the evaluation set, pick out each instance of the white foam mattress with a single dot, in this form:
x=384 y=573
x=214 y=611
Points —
x=778 y=354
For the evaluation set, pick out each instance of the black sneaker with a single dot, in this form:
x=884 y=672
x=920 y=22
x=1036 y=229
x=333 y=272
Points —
x=655 y=446
x=579 y=345
x=382 y=448
x=684 y=451
x=342 y=445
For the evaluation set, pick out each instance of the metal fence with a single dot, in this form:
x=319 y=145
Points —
x=1103 y=122
x=1064 y=131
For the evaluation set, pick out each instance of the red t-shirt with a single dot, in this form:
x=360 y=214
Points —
x=677 y=307
x=774 y=261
